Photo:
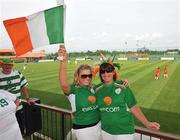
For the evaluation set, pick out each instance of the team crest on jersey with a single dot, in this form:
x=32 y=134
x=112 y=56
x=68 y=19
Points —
x=9 y=82
x=118 y=91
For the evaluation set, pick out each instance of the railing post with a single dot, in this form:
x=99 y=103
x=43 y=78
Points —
x=63 y=126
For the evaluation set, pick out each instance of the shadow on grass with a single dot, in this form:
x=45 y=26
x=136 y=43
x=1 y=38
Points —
x=170 y=122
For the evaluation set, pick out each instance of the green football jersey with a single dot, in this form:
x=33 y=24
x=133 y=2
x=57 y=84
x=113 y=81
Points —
x=83 y=104
x=114 y=104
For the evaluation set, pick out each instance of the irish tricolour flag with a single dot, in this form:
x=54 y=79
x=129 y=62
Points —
x=37 y=30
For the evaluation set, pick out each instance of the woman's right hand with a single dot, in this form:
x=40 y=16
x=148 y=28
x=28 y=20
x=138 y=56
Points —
x=62 y=52
x=63 y=70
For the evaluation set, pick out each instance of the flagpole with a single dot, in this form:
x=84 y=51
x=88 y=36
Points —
x=61 y=2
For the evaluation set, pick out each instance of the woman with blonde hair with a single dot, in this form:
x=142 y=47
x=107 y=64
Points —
x=81 y=95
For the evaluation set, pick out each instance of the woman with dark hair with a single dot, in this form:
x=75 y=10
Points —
x=117 y=106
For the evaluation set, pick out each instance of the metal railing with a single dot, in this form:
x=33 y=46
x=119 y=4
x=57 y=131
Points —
x=154 y=134
x=51 y=123
x=56 y=125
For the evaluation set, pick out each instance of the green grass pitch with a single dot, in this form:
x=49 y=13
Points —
x=159 y=99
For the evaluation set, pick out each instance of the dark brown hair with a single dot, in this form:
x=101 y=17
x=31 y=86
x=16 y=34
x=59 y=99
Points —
x=106 y=67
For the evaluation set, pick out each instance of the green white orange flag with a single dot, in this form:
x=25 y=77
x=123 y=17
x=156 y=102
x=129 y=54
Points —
x=37 y=30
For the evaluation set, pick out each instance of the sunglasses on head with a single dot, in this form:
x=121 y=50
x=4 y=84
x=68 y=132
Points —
x=83 y=76
x=107 y=71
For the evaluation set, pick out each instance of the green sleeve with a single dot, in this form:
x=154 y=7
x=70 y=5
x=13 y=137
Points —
x=98 y=85
x=95 y=86
x=119 y=82
x=130 y=98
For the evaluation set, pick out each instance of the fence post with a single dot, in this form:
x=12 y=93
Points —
x=63 y=126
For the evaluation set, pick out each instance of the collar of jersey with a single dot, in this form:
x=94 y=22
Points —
x=108 y=85
x=83 y=86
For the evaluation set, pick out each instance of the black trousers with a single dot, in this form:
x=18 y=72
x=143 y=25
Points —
x=20 y=119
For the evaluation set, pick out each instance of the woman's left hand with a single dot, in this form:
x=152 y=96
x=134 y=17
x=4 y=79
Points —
x=125 y=82
x=153 y=125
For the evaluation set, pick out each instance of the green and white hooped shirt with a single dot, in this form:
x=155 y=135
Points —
x=114 y=104
x=83 y=104
x=13 y=83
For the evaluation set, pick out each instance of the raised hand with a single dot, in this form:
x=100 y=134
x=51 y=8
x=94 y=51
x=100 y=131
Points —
x=62 y=53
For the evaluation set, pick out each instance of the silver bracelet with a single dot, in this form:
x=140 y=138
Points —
x=60 y=58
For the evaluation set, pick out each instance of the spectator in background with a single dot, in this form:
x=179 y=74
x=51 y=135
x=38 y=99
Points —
x=157 y=75
x=165 y=72
x=117 y=106
x=9 y=128
x=14 y=82
x=25 y=66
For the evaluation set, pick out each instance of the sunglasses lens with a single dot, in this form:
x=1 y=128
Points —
x=102 y=71
x=86 y=75
x=107 y=71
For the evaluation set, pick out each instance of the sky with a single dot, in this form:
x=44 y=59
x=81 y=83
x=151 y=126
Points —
x=106 y=24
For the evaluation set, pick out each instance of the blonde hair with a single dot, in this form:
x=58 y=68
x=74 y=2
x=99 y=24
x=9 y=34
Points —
x=77 y=72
